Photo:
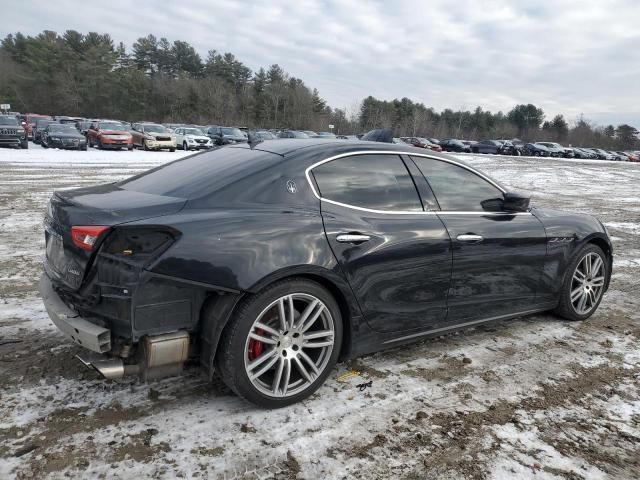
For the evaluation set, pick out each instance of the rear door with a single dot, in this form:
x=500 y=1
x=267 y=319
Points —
x=498 y=256
x=395 y=255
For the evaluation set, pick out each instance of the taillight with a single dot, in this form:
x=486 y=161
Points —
x=85 y=237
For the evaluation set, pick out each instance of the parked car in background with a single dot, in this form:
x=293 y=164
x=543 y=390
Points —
x=508 y=148
x=12 y=132
x=292 y=134
x=326 y=135
x=602 y=154
x=83 y=125
x=109 y=134
x=617 y=156
x=583 y=153
x=535 y=150
x=631 y=156
x=64 y=136
x=311 y=133
x=225 y=135
x=569 y=153
x=422 y=142
x=152 y=136
x=555 y=149
x=493 y=147
x=30 y=122
x=190 y=138
x=264 y=135
x=469 y=143
x=40 y=124
x=453 y=145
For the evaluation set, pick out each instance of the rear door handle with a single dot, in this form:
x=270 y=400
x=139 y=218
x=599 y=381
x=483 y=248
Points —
x=469 y=238
x=352 y=238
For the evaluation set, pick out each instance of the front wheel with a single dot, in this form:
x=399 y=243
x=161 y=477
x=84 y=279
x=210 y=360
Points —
x=281 y=343
x=584 y=284
x=172 y=149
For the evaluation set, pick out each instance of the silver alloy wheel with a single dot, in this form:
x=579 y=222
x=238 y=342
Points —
x=587 y=284
x=295 y=335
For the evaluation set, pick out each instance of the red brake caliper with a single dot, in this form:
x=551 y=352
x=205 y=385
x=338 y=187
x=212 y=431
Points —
x=256 y=347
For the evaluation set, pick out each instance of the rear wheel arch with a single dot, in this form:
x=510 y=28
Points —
x=219 y=308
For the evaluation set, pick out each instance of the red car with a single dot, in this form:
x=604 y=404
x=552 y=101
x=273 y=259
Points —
x=422 y=142
x=109 y=134
x=29 y=120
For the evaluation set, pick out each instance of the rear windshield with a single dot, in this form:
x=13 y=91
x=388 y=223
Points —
x=199 y=175
x=110 y=126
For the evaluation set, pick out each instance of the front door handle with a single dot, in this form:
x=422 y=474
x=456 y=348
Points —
x=469 y=238
x=352 y=238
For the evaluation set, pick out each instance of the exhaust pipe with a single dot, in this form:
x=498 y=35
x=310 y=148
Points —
x=112 y=368
x=161 y=356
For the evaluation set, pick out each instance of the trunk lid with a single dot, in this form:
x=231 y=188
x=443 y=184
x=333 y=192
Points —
x=106 y=205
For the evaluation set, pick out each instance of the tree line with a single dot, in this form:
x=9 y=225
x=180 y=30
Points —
x=90 y=75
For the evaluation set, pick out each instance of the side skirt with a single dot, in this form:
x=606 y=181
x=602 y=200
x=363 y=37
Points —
x=415 y=336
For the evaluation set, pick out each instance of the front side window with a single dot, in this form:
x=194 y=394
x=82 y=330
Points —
x=373 y=181
x=459 y=189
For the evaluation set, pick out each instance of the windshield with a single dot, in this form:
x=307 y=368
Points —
x=8 y=121
x=150 y=127
x=110 y=126
x=59 y=128
x=234 y=132
x=193 y=131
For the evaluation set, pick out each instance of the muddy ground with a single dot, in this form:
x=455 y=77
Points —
x=536 y=397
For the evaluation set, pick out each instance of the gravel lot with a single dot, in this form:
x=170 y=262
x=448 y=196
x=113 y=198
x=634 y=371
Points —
x=536 y=397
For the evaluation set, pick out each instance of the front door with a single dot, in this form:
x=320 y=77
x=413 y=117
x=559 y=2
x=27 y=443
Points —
x=498 y=256
x=395 y=256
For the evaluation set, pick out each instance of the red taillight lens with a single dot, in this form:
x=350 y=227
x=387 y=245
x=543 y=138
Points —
x=85 y=237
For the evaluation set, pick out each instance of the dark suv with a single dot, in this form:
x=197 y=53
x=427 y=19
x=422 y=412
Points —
x=12 y=133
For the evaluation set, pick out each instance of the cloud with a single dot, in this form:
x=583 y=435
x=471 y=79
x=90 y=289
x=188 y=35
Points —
x=565 y=56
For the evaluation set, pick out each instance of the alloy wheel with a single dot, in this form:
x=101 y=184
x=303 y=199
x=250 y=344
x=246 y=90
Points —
x=587 y=285
x=289 y=345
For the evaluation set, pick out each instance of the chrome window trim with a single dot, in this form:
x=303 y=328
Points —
x=308 y=170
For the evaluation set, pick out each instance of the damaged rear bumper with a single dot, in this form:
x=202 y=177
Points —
x=89 y=335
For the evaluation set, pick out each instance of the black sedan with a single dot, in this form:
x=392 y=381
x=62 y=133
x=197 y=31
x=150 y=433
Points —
x=268 y=263
x=495 y=147
x=453 y=145
x=63 y=135
x=535 y=150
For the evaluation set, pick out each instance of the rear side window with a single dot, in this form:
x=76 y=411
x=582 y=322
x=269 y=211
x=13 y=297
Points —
x=456 y=188
x=376 y=182
x=199 y=175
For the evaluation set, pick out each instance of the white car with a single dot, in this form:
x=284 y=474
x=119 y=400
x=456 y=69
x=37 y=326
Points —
x=189 y=138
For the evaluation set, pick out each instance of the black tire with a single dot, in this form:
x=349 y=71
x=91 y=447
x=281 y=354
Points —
x=565 y=308
x=24 y=144
x=99 y=144
x=172 y=149
x=475 y=150
x=230 y=354
x=44 y=145
x=144 y=145
x=83 y=147
x=184 y=146
x=130 y=148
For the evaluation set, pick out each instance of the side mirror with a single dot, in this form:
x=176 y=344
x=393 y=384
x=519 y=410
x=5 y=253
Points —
x=515 y=202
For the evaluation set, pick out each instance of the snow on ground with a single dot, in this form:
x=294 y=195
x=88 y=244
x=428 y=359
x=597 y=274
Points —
x=537 y=397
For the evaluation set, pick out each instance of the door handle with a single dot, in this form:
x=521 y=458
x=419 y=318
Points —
x=470 y=238
x=352 y=238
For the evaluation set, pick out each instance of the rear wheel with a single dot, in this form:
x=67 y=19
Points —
x=281 y=344
x=144 y=145
x=584 y=284
x=184 y=146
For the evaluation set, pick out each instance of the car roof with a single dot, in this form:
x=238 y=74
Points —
x=333 y=146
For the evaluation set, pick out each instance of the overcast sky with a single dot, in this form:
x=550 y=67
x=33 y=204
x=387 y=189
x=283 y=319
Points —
x=565 y=56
